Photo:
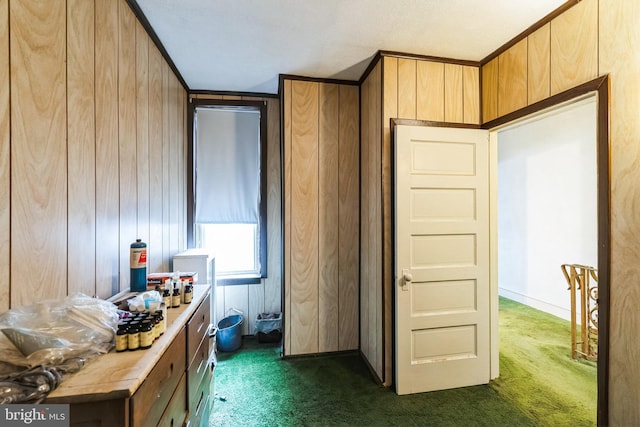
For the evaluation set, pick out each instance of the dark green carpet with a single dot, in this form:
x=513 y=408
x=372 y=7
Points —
x=261 y=389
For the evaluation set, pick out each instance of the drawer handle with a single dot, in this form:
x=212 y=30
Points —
x=201 y=324
x=203 y=361
x=200 y=404
x=162 y=383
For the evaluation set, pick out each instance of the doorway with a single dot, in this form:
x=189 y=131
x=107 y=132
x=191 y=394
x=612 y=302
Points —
x=547 y=217
x=547 y=204
x=599 y=87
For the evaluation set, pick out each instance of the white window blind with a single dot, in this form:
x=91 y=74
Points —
x=227 y=166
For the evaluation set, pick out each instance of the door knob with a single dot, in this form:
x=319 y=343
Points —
x=406 y=279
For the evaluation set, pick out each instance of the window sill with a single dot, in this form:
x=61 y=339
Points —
x=231 y=280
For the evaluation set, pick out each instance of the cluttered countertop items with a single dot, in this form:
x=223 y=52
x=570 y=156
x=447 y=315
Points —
x=46 y=347
x=142 y=319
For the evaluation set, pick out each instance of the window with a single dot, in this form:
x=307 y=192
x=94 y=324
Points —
x=229 y=201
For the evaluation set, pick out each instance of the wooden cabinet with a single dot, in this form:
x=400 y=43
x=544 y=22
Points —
x=150 y=400
x=199 y=367
x=168 y=384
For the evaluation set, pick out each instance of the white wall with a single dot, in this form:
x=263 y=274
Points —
x=547 y=204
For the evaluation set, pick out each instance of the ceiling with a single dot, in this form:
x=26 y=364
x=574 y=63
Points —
x=243 y=45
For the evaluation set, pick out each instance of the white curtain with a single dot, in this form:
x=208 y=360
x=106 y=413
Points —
x=227 y=151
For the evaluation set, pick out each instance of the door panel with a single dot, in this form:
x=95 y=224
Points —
x=442 y=258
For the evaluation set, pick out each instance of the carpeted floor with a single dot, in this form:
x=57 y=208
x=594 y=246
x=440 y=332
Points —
x=255 y=387
x=537 y=373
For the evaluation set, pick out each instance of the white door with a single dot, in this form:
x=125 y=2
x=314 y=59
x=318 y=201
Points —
x=442 y=304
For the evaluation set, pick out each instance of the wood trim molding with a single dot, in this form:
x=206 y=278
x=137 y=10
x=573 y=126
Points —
x=428 y=58
x=317 y=80
x=232 y=93
x=409 y=122
x=540 y=23
x=604 y=248
x=137 y=11
x=377 y=57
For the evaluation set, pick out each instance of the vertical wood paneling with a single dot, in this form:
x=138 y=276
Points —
x=38 y=150
x=620 y=58
x=166 y=155
x=237 y=297
x=453 y=100
x=182 y=141
x=156 y=190
x=365 y=182
x=430 y=91
x=321 y=216
x=471 y=94
x=273 y=283
x=174 y=167
x=287 y=112
x=328 y=217
x=574 y=46
x=374 y=233
x=304 y=217
x=75 y=164
x=107 y=179
x=512 y=78
x=5 y=152
x=256 y=295
x=490 y=90
x=348 y=182
x=376 y=237
x=406 y=88
x=219 y=301
x=382 y=138
x=127 y=137
x=81 y=151
x=539 y=63
x=142 y=135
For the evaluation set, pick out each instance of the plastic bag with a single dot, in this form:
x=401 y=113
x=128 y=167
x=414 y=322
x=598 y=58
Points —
x=146 y=301
x=267 y=322
x=63 y=332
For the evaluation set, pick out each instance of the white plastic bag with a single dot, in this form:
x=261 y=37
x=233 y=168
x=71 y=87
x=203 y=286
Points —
x=51 y=333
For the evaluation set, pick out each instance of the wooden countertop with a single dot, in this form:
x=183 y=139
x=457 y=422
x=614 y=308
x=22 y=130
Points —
x=118 y=375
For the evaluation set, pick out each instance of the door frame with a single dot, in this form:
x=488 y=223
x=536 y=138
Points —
x=599 y=86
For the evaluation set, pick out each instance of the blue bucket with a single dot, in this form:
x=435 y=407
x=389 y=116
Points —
x=229 y=335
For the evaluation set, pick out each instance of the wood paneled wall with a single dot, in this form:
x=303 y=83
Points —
x=371 y=270
x=405 y=88
x=85 y=136
x=619 y=57
x=321 y=184
x=266 y=296
x=556 y=57
x=592 y=38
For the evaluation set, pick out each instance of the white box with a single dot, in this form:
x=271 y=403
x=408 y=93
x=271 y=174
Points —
x=202 y=262
x=198 y=260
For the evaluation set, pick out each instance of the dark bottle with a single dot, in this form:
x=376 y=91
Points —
x=188 y=293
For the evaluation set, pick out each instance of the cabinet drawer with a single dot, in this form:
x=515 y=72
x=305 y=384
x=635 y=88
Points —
x=176 y=412
x=198 y=327
x=197 y=370
x=149 y=402
x=200 y=408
